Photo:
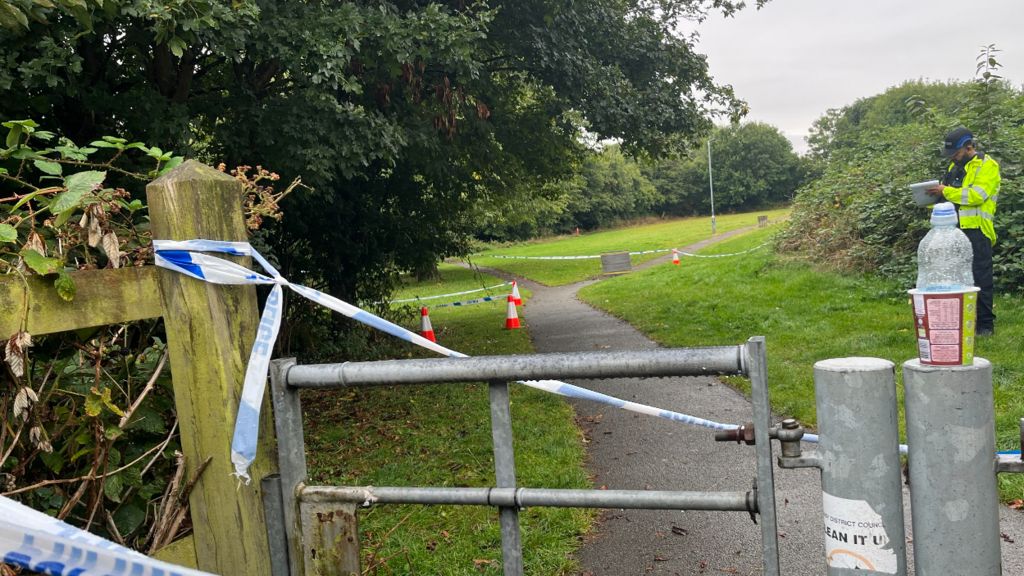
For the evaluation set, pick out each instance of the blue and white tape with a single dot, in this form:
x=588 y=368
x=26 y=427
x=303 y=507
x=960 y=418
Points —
x=547 y=257
x=748 y=251
x=186 y=257
x=636 y=253
x=439 y=296
x=501 y=298
x=39 y=543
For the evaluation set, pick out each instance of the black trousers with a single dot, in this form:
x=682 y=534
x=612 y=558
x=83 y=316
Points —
x=982 y=268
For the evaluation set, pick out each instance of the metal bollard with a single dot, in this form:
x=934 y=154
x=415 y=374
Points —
x=860 y=466
x=953 y=494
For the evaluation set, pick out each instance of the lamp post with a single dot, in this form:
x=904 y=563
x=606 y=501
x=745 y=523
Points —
x=711 y=186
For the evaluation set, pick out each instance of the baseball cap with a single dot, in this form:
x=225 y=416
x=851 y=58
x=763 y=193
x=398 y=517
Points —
x=955 y=140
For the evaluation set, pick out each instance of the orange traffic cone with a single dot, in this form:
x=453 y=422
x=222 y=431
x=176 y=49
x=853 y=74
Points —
x=511 y=319
x=675 y=257
x=426 y=330
x=515 y=294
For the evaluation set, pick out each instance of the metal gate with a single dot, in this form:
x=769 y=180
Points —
x=313 y=529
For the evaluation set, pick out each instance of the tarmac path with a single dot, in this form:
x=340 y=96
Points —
x=632 y=451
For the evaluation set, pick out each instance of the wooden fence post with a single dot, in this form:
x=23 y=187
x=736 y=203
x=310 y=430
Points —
x=210 y=330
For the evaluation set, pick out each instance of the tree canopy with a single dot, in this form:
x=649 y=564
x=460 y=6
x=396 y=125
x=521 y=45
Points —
x=404 y=116
x=752 y=165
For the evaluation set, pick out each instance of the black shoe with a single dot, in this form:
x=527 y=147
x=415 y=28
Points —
x=985 y=332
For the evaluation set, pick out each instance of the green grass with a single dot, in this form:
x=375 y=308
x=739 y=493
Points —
x=806 y=315
x=453 y=279
x=439 y=435
x=671 y=234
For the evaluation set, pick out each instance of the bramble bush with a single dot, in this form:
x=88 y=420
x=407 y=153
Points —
x=89 y=433
x=859 y=215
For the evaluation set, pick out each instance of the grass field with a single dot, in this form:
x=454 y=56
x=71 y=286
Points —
x=671 y=234
x=806 y=315
x=439 y=435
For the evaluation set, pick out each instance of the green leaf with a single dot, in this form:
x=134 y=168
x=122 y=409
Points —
x=63 y=217
x=8 y=233
x=65 y=286
x=133 y=206
x=29 y=124
x=78 y=184
x=11 y=16
x=114 y=140
x=24 y=153
x=148 y=420
x=51 y=168
x=113 y=433
x=40 y=264
x=53 y=460
x=112 y=487
x=103 y=144
x=93 y=405
x=177 y=46
x=14 y=135
x=110 y=404
x=128 y=518
x=25 y=199
x=171 y=165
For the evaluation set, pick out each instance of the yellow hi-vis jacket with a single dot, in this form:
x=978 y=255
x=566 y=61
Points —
x=978 y=195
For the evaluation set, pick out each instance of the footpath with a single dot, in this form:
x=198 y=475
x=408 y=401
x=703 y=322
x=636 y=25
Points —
x=631 y=451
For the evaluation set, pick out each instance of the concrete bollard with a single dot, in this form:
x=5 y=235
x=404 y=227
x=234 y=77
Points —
x=953 y=493
x=860 y=466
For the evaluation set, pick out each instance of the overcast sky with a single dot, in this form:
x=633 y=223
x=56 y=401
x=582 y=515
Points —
x=794 y=59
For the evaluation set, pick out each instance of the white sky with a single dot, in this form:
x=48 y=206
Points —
x=794 y=59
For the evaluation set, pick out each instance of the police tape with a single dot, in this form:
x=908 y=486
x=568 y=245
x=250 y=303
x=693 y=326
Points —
x=501 y=298
x=439 y=296
x=635 y=253
x=187 y=258
x=545 y=257
x=40 y=543
x=758 y=247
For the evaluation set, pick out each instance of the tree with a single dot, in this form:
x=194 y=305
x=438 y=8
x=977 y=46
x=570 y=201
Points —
x=613 y=189
x=753 y=165
x=401 y=115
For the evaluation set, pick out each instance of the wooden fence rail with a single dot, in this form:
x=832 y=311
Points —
x=210 y=330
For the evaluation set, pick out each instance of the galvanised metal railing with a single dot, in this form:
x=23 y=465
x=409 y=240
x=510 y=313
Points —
x=313 y=529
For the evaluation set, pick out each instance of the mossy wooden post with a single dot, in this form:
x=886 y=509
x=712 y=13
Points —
x=210 y=330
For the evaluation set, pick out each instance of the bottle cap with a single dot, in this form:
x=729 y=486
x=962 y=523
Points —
x=944 y=213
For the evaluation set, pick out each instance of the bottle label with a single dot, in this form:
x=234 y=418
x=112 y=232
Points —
x=944 y=326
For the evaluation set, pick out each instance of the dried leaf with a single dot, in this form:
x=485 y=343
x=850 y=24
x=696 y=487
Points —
x=1016 y=504
x=15 y=352
x=112 y=249
x=23 y=402
x=35 y=242
x=95 y=232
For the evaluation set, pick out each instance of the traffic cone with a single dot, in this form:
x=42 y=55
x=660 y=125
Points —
x=515 y=294
x=675 y=257
x=426 y=330
x=511 y=319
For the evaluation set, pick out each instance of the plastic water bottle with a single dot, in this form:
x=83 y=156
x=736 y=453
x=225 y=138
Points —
x=944 y=254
